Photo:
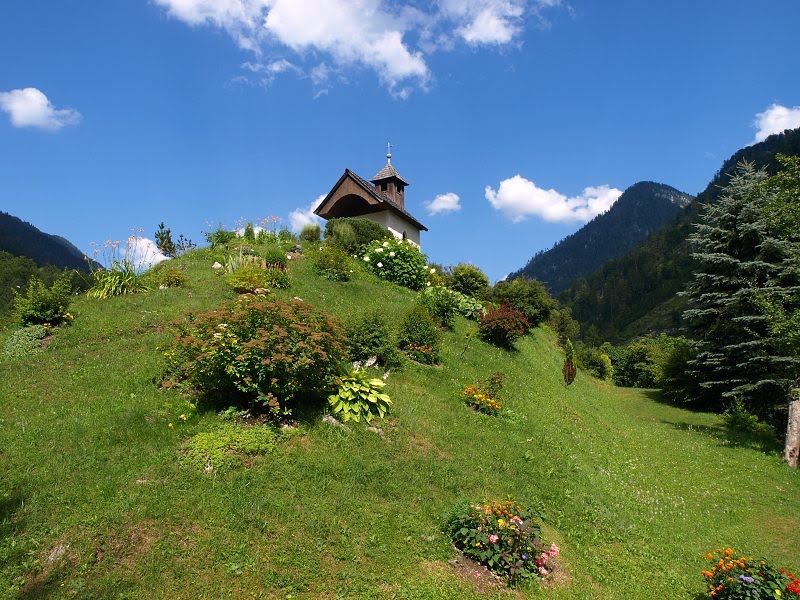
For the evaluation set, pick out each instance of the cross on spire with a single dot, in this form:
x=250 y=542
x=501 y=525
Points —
x=388 y=152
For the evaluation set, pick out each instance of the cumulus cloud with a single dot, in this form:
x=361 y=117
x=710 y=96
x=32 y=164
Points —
x=29 y=107
x=443 y=203
x=374 y=34
x=775 y=119
x=301 y=217
x=143 y=252
x=518 y=198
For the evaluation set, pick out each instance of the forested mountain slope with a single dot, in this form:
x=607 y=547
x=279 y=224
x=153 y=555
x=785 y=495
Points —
x=641 y=210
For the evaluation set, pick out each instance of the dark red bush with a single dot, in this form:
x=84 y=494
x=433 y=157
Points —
x=503 y=326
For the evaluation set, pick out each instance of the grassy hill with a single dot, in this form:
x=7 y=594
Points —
x=95 y=502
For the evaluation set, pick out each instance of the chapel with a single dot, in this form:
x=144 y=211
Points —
x=381 y=199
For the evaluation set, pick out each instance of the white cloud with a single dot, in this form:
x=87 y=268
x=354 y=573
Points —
x=518 y=198
x=443 y=203
x=301 y=217
x=143 y=253
x=775 y=119
x=374 y=34
x=28 y=107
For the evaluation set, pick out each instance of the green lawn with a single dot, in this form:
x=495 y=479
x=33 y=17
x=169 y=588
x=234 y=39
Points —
x=95 y=503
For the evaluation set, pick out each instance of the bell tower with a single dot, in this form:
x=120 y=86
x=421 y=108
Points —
x=389 y=183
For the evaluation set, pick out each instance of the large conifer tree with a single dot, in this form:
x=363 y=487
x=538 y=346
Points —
x=738 y=262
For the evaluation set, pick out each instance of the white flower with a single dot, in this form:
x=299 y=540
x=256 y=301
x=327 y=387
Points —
x=392 y=253
x=433 y=270
x=378 y=249
x=366 y=259
x=380 y=265
x=385 y=244
x=428 y=284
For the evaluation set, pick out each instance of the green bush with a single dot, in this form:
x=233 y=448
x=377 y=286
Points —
x=397 y=261
x=249 y=278
x=420 y=337
x=469 y=280
x=361 y=233
x=528 y=296
x=41 y=305
x=169 y=277
x=360 y=396
x=227 y=447
x=25 y=341
x=503 y=537
x=332 y=263
x=503 y=326
x=220 y=237
x=274 y=257
x=442 y=303
x=257 y=349
x=249 y=233
x=121 y=279
x=564 y=325
x=369 y=336
x=595 y=361
x=310 y=233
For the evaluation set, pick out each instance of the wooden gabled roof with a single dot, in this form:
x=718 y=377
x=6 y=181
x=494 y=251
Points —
x=352 y=184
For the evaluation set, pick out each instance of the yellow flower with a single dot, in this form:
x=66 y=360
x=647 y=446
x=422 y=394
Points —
x=170 y=425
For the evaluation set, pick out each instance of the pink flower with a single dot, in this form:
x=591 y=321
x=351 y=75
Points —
x=553 y=550
x=542 y=571
x=493 y=538
x=516 y=520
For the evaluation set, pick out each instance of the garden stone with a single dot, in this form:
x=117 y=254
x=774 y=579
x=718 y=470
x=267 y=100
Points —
x=216 y=266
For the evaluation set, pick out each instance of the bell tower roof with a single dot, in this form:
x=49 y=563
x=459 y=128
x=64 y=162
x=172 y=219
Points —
x=388 y=171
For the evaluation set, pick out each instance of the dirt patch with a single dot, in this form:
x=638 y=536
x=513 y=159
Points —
x=127 y=546
x=481 y=579
x=59 y=557
x=421 y=445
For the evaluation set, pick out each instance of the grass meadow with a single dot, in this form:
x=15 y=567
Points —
x=96 y=503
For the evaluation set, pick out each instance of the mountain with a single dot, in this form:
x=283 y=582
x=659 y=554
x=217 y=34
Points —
x=641 y=210
x=23 y=239
x=637 y=293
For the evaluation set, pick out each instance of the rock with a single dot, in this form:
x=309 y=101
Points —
x=331 y=420
x=377 y=430
x=216 y=266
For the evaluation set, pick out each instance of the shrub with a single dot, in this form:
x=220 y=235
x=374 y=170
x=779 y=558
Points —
x=528 y=296
x=503 y=326
x=595 y=361
x=362 y=232
x=359 y=396
x=41 y=305
x=310 y=233
x=220 y=237
x=442 y=303
x=369 y=335
x=168 y=277
x=333 y=263
x=227 y=447
x=729 y=576
x=503 y=537
x=274 y=257
x=249 y=233
x=419 y=336
x=248 y=279
x=258 y=349
x=564 y=324
x=25 y=341
x=397 y=261
x=469 y=280
x=569 y=370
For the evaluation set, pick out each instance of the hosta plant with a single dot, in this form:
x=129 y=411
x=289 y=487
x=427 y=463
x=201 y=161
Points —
x=502 y=536
x=360 y=396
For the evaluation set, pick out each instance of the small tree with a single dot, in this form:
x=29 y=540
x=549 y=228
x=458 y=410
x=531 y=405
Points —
x=569 y=370
x=164 y=241
x=469 y=280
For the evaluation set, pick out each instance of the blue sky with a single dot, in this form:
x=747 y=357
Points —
x=515 y=121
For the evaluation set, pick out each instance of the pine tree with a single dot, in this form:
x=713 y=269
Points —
x=164 y=241
x=738 y=355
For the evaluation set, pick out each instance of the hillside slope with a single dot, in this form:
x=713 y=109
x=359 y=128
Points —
x=642 y=209
x=23 y=239
x=96 y=503
x=636 y=293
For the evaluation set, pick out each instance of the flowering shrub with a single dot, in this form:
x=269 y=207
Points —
x=501 y=536
x=419 y=336
x=397 y=261
x=484 y=396
x=265 y=351
x=125 y=273
x=359 y=396
x=503 y=326
x=730 y=576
